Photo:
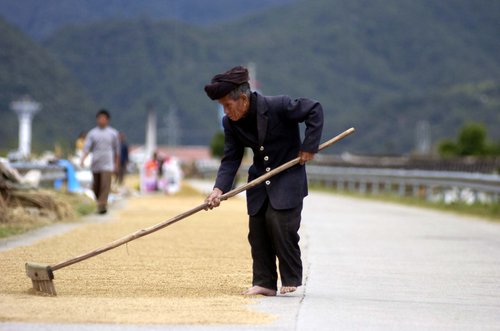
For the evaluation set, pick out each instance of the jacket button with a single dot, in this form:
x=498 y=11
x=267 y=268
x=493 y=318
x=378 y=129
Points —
x=268 y=182
x=261 y=148
x=266 y=158
x=268 y=169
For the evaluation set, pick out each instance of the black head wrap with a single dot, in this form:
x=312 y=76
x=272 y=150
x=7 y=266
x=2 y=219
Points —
x=222 y=84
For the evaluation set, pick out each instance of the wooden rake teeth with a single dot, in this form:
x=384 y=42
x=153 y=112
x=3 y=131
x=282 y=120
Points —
x=41 y=277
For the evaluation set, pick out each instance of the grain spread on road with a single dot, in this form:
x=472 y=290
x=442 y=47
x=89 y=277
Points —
x=192 y=272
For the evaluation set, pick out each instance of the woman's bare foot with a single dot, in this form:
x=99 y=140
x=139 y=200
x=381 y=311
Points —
x=288 y=289
x=259 y=290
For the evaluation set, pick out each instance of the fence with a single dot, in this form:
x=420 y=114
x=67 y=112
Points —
x=428 y=184
x=48 y=172
x=419 y=183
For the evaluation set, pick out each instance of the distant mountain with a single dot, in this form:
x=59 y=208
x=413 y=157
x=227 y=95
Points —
x=366 y=61
x=40 y=18
x=356 y=56
x=28 y=69
x=445 y=110
x=132 y=66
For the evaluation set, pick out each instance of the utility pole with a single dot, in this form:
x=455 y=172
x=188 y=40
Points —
x=423 y=138
x=172 y=127
x=252 y=73
x=150 y=145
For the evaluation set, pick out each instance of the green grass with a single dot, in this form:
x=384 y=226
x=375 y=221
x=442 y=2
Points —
x=84 y=209
x=490 y=211
x=7 y=230
x=81 y=204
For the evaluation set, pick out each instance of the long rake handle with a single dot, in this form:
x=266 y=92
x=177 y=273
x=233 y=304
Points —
x=159 y=226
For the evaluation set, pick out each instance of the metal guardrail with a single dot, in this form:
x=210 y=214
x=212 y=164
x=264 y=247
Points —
x=487 y=183
x=422 y=183
x=48 y=172
x=365 y=180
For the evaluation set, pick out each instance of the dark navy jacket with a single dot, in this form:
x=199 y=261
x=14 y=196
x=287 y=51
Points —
x=277 y=141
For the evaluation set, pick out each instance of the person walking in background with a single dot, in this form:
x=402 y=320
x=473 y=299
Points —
x=80 y=142
x=122 y=170
x=102 y=142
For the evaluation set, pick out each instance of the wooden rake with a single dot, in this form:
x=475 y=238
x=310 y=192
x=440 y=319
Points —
x=42 y=275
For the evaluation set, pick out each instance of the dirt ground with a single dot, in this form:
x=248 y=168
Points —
x=189 y=273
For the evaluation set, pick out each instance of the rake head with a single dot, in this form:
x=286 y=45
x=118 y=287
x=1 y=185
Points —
x=41 y=276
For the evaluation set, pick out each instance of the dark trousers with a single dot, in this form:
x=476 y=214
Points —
x=274 y=233
x=120 y=176
x=101 y=187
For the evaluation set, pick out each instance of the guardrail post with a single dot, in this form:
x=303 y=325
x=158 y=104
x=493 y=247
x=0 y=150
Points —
x=388 y=186
x=415 y=188
x=475 y=194
x=402 y=189
x=340 y=184
x=351 y=184
x=443 y=194
x=428 y=192
x=362 y=187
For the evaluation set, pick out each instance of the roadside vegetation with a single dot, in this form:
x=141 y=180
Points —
x=489 y=211
x=472 y=140
x=23 y=211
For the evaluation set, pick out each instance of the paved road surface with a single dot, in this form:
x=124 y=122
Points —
x=381 y=266
x=378 y=266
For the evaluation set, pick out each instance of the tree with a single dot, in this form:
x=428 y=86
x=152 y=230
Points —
x=472 y=140
x=217 y=144
x=448 y=148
